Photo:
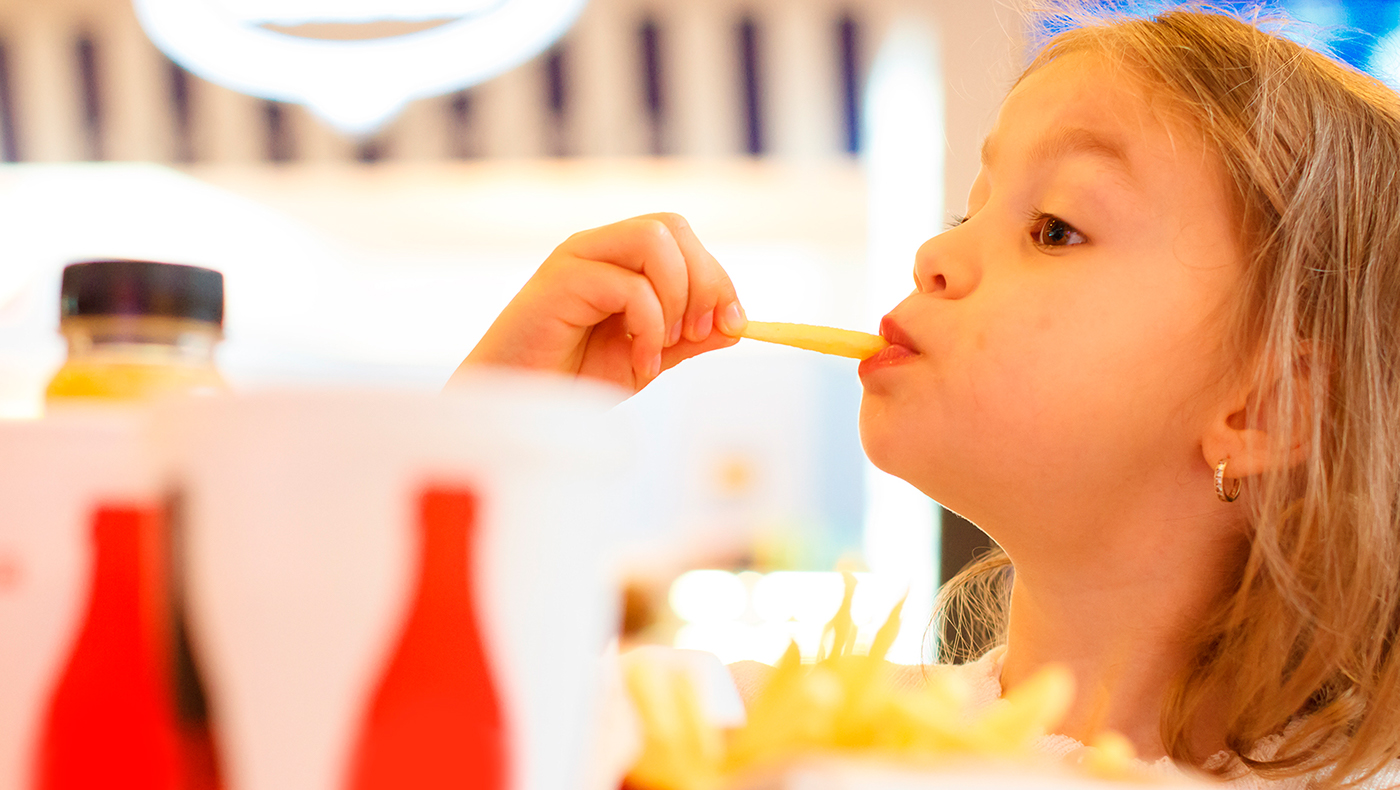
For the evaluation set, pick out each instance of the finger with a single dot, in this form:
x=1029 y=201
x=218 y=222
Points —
x=713 y=304
x=607 y=354
x=648 y=246
x=610 y=290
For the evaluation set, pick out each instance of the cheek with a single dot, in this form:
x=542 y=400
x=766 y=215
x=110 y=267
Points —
x=1072 y=380
x=1031 y=393
x=987 y=383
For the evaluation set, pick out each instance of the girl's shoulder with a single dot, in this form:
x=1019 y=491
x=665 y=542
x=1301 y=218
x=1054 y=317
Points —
x=1387 y=778
x=750 y=679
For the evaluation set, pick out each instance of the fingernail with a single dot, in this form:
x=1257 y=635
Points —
x=674 y=335
x=655 y=367
x=730 y=321
x=703 y=325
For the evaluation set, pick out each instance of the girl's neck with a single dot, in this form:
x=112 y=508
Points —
x=1123 y=621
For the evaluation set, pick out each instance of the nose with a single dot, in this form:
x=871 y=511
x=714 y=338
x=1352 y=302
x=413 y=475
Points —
x=946 y=265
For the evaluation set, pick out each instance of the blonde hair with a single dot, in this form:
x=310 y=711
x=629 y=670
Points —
x=1307 y=633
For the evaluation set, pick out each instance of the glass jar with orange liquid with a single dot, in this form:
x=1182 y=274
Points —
x=137 y=329
x=129 y=708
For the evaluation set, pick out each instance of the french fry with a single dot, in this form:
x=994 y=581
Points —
x=1044 y=698
x=1111 y=756
x=776 y=717
x=884 y=638
x=847 y=702
x=823 y=339
x=680 y=750
x=841 y=629
x=1027 y=711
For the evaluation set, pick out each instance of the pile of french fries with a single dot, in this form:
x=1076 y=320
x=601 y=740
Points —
x=846 y=703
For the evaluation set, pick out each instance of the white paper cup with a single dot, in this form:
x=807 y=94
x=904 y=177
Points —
x=300 y=516
x=54 y=475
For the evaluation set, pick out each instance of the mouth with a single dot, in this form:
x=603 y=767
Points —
x=900 y=349
x=895 y=335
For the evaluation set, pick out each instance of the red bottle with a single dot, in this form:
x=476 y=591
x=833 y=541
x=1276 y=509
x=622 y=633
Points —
x=435 y=720
x=111 y=720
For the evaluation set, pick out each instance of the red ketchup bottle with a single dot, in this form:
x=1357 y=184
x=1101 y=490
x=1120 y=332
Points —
x=111 y=721
x=435 y=720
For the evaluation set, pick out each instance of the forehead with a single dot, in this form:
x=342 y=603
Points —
x=1082 y=103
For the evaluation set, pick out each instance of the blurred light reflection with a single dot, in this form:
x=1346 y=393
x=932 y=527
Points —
x=757 y=624
x=903 y=118
x=707 y=596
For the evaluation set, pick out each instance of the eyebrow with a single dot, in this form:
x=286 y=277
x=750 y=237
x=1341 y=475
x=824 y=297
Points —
x=1068 y=140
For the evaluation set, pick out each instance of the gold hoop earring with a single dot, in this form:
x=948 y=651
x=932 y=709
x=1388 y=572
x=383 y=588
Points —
x=1220 y=483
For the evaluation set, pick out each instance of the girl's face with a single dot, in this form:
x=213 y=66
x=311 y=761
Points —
x=1062 y=350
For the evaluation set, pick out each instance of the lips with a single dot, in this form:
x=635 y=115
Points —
x=900 y=349
x=895 y=336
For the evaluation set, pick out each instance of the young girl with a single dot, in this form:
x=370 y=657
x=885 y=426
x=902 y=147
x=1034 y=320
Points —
x=1158 y=361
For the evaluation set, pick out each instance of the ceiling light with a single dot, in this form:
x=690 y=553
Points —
x=355 y=85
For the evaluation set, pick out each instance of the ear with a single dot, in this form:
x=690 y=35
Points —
x=1251 y=422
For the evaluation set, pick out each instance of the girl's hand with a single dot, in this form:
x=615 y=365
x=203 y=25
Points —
x=620 y=303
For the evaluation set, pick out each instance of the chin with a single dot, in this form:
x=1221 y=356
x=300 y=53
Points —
x=887 y=447
x=895 y=449
x=872 y=433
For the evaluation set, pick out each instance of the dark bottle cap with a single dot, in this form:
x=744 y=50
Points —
x=121 y=287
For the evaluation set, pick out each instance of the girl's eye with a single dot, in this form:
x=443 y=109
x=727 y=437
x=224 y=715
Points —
x=956 y=220
x=1051 y=231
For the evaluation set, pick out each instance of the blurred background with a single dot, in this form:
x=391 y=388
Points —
x=376 y=179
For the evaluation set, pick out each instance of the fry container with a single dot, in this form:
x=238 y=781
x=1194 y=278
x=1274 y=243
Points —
x=56 y=475
x=324 y=611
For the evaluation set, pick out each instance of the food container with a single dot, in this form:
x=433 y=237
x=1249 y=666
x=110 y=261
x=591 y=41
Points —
x=325 y=534
x=66 y=482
